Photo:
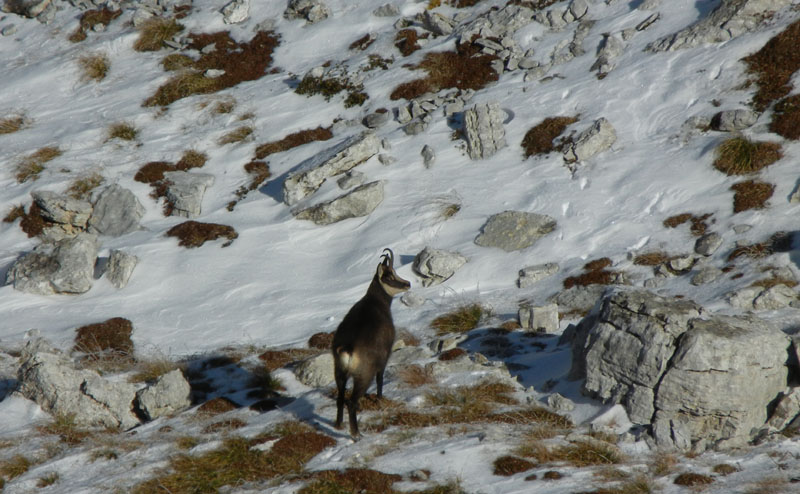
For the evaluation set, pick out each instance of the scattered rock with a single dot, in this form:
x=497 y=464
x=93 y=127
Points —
x=340 y=158
x=415 y=126
x=116 y=212
x=733 y=120
x=65 y=266
x=483 y=129
x=531 y=274
x=578 y=299
x=310 y=10
x=743 y=298
x=700 y=382
x=412 y=299
x=596 y=139
x=236 y=11
x=560 y=403
x=708 y=244
x=69 y=215
x=361 y=201
x=776 y=297
x=168 y=395
x=120 y=268
x=438 y=24
x=543 y=319
x=514 y=230
x=375 y=120
x=787 y=409
x=706 y=275
x=428 y=156
x=316 y=372
x=351 y=179
x=730 y=19
x=435 y=266
x=610 y=48
x=386 y=10
x=185 y=191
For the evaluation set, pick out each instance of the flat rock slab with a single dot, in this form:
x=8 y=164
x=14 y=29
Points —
x=333 y=161
x=116 y=212
x=514 y=230
x=185 y=191
x=359 y=202
x=65 y=266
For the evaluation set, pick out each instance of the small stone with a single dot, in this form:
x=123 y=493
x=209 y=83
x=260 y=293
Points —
x=386 y=10
x=411 y=299
x=120 y=267
x=386 y=159
x=8 y=30
x=375 y=120
x=706 y=275
x=532 y=274
x=560 y=403
x=428 y=156
x=350 y=179
x=213 y=73
x=415 y=127
x=708 y=244
x=733 y=120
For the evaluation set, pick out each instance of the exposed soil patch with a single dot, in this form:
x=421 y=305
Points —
x=194 y=233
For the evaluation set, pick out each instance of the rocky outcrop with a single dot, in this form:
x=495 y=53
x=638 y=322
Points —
x=360 y=201
x=65 y=266
x=66 y=216
x=699 y=383
x=185 y=191
x=168 y=395
x=514 y=230
x=730 y=19
x=310 y=10
x=483 y=130
x=435 y=266
x=236 y=11
x=594 y=140
x=116 y=212
x=733 y=120
x=313 y=172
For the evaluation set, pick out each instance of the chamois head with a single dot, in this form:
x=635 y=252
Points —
x=391 y=283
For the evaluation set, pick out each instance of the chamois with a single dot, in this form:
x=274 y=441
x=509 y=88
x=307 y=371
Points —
x=363 y=341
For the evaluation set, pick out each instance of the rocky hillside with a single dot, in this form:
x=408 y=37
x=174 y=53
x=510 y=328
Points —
x=595 y=203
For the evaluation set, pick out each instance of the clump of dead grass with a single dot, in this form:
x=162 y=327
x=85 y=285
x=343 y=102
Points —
x=149 y=369
x=465 y=68
x=742 y=156
x=91 y=18
x=508 y=465
x=259 y=173
x=407 y=41
x=191 y=159
x=786 y=118
x=154 y=32
x=595 y=273
x=751 y=194
x=31 y=166
x=640 y=484
x=14 y=467
x=655 y=258
x=359 y=480
x=773 y=66
x=321 y=341
x=80 y=188
x=691 y=479
x=122 y=130
x=217 y=406
x=237 y=135
x=14 y=213
x=415 y=376
x=463 y=319
x=579 y=453
x=293 y=140
x=698 y=223
x=328 y=87
x=362 y=43
x=724 y=469
x=12 y=123
x=194 y=233
x=106 y=344
x=48 y=480
x=540 y=138
x=275 y=359
x=94 y=67
x=66 y=428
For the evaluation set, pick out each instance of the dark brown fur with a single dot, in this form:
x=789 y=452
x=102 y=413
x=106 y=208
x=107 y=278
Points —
x=363 y=341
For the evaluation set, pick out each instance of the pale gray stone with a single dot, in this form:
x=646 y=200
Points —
x=120 y=268
x=708 y=244
x=743 y=298
x=8 y=30
x=65 y=266
x=514 y=230
x=386 y=159
x=403 y=115
x=415 y=127
x=359 y=202
x=559 y=403
x=313 y=172
x=169 y=394
x=116 y=212
x=316 y=372
x=350 y=179
x=310 y=10
x=734 y=120
x=483 y=129
x=447 y=343
x=375 y=120
x=578 y=9
x=705 y=275
x=541 y=319
x=428 y=156
x=236 y=11
x=63 y=209
x=185 y=191
x=531 y=274
x=651 y=19
x=386 y=10
x=787 y=409
x=436 y=266
x=776 y=297
x=402 y=357
x=437 y=23
x=213 y=73
x=412 y=299
x=596 y=139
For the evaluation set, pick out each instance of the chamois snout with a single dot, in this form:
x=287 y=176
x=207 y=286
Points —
x=363 y=341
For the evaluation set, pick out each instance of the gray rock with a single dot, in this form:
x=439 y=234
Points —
x=116 y=212
x=730 y=19
x=350 y=179
x=445 y=344
x=48 y=377
x=708 y=244
x=316 y=372
x=310 y=10
x=437 y=23
x=483 y=129
x=403 y=115
x=596 y=139
x=386 y=10
x=706 y=275
x=514 y=230
x=415 y=127
x=168 y=395
x=428 y=156
x=340 y=158
x=743 y=298
x=578 y=299
x=27 y=8
x=141 y=16
x=185 y=191
x=63 y=209
x=699 y=382
x=386 y=159
x=787 y=409
x=359 y=202
x=560 y=403
x=578 y=9
x=531 y=274
x=412 y=299
x=542 y=319
x=65 y=266
x=649 y=21
x=453 y=108
x=407 y=355
x=734 y=120
x=435 y=266
x=775 y=297
x=375 y=120
x=236 y=11
x=8 y=30
x=120 y=268
x=213 y=74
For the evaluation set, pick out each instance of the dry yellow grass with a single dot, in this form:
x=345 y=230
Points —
x=30 y=167
x=154 y=32
x=94 y=67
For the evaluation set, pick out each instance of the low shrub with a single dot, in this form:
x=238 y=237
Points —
x=275 y=359
x=741 y=156
x=773 y=66
x=217 y=406
x=460 y=320
x=540 y=138
x=655 y=258
x=751 y=195
x=194 y=233
x=786 y=118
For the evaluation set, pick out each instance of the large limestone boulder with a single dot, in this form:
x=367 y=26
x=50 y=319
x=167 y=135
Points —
x=483 y=128
x=116 y=212
x=65 y=266
x=436 y=265
x=359 y=202
x=333 y=161
x=700 y=383
x=168 y=395
x=185 y=191
x=514 y=230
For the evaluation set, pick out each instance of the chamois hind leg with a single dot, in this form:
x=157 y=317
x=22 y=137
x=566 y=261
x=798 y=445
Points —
x=341 y=385
x=379 y=383
x=360 y=386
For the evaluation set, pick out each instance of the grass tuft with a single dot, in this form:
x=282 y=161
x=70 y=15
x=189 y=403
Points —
x=11 y=124
x=191 y=159
x=751 y=195
x=507 y=466
x=154 y=32
x=741 y=156
x=259 y=173
x=14 y=213
x=415 y=376
x=48 y=480
x=94 y=67
x=461 y=320
x=724 y=469
x=80 y=188
x=150 y=369
x=108 y=339
x=691 y=479
x=30 y=167
x=580 y=453
x=194 y=233
x=360 y=480
x=122 y=130
x=786 y=118
x=594 y=274
x=14 y=467
x=67 y=430
x=539 y=139
x=362 y=43
x=238 y=135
